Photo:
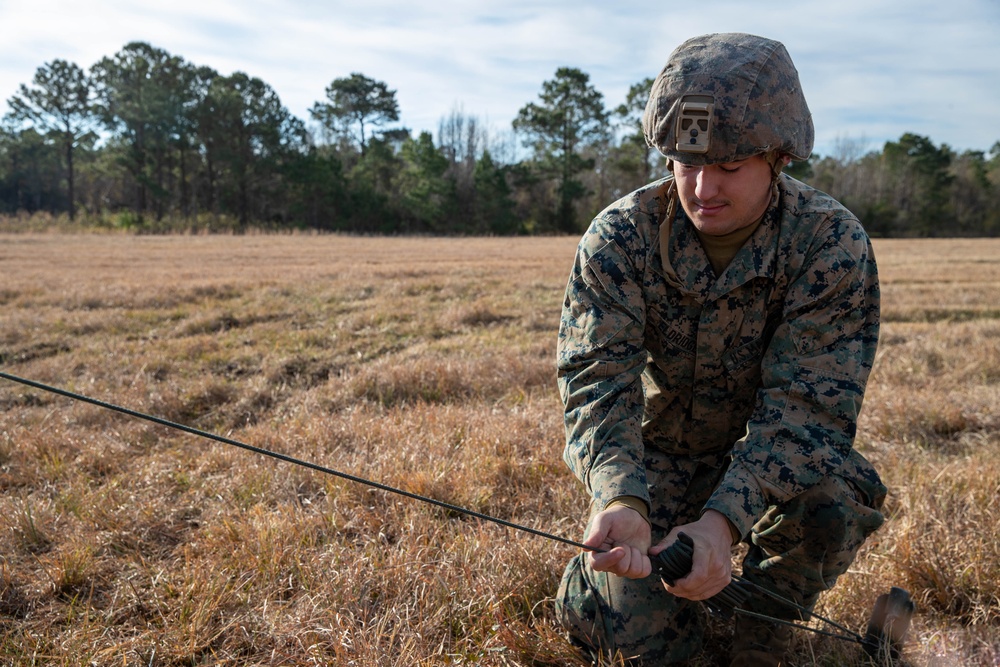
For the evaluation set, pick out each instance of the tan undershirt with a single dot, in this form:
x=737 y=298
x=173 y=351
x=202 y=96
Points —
x=722 y=249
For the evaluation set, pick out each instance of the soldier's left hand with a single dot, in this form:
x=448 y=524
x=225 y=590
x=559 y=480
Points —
x=713 y=566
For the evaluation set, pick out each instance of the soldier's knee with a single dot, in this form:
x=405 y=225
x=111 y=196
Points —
x=630 y=618
x=830 y=517
x=577 y=607
x=839 y=517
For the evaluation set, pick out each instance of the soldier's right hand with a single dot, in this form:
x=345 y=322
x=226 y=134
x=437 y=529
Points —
x=625 y=534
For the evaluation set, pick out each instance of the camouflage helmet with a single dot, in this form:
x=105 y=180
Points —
x=725 y=97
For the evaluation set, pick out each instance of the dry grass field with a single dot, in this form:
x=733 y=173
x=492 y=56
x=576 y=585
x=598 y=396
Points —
x=426 y=364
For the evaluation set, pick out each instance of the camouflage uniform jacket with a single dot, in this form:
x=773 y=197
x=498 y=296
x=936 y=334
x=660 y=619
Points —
x=763 y=368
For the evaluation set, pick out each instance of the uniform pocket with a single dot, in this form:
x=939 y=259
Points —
x=604 y=298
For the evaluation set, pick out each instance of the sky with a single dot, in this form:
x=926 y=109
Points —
x=871 y=69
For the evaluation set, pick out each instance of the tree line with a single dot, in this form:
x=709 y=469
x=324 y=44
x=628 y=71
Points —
x=144 y=139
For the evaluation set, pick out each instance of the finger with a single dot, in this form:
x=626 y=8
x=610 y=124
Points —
x=645 y=567
x=597 y=537
x=626 y=562
x=607 y=561
x=693 y=588
x=639 y=566
x=660 y=546
x=707 y=576
x=665 y=542
x=624 y=565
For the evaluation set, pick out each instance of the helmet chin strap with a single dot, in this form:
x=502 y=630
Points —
x=777 y=161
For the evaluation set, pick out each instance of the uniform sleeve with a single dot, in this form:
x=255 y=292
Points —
x=600 y=359
x=814 y=374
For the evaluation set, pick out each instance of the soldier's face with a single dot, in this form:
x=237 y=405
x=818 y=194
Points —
x=721 y=198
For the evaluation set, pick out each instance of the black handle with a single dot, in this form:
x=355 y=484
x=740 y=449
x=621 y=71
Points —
x=675 y=563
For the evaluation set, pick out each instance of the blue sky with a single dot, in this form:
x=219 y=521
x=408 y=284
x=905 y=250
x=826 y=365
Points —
x=871 y=69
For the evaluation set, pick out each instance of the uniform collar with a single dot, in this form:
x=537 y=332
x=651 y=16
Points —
x=685 y=264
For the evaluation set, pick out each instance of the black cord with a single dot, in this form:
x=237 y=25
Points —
x=290 y=459
x=670 y=564
x=849 y=636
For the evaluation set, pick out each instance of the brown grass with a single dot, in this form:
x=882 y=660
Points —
x=425 y=364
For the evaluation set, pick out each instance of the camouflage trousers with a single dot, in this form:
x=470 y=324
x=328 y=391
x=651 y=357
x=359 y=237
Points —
x=798 y=549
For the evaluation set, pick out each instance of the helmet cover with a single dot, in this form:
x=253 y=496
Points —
x=725 y=97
